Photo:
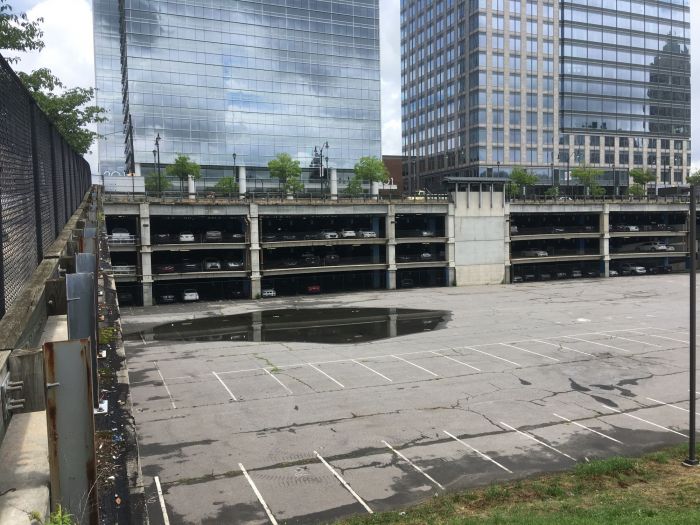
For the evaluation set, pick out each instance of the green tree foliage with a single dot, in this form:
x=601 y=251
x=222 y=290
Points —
x=642 y=176
x=588 y=177
x=151 y=182
x=182 y=168
x=287 y=171
x=68 y=109
x=227 y=186
x=354 y=187
x=521 y=179
x=637 y=190
x=694 y=179
x=552 y=191
x=18 y=33
x=371 y=169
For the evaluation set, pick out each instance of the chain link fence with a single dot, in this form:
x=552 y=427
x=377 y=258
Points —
x=42 y=182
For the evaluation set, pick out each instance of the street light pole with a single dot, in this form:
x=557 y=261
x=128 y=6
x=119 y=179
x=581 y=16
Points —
x=692 y=460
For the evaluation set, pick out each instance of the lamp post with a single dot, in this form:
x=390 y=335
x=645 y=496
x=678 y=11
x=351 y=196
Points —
x=498 y=168
x=154 y=164
x=158 y=139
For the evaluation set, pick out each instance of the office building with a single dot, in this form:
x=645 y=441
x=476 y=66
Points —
x=488 y=85
x=218 y=77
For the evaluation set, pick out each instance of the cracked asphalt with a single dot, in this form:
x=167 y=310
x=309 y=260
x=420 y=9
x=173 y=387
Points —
x=523 y=379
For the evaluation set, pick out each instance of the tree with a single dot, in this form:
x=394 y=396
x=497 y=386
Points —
x=182 y=168
x=151 y=182
x=642 y=176
x=521 y=179
x=371 y=169
x=354 y=187
x=227 y=186
x=694 y=179
x=637 y=190
x=552 y=191
x=68 y=109
x=287 y=171
x=18 y=33
x=587 y=176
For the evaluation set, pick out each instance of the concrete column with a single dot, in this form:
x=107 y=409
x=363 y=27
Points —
x=334 y=184
x=257 y=326
x=393 y=317
x=450 y=248
x=374 y=190
x=191 y=188
x=145 y=252
x=391 y=248
x=605 y=238
x=137 y=169
x=242 y=182
x=255 y=252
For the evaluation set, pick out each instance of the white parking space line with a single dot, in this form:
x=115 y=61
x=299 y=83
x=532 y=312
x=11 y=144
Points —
x=344 y=483
x=276 y=379
x=165 y=385
x=563 y=347
x=166 y=521
x=257 y=494
x=676 y=331
x=492 y=355
x=661 y=337
x=413 y=464
x=636 y=341
x=224 y=385
x=456 y=361
x=596 y=343
x=670 y=405
x=587 y=428
x=529 y=351
x=372 y=370
x=487 y=458
x=329 y=377
x=413 y=364
x=533 y=438
x=643 y=420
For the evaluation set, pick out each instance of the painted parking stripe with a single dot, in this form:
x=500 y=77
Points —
x=413 y=464
x=587 y=428
x=533 y=438
x=166 y=521
x=165 y=385
x=636 y=341
x=371 y=370
x=344 y=483
x=456 y=360
x=257 y=494
x=491 y=355
x=643 y=420
x=561 y=346
x=596 y=343
x=487 y=458
x=662 y=337
x=276 y=379
x=670 y=405
x=413 y=364
x=329 y=377
x=224 y=385
x=529 y=351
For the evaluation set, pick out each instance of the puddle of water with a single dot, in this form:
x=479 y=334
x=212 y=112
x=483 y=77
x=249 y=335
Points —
x=334 y=326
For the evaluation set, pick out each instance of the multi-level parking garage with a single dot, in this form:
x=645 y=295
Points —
x=231 y=250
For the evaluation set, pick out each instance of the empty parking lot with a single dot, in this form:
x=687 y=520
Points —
x=520 y=380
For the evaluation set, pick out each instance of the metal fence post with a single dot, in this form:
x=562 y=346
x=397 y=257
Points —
x=37 y=190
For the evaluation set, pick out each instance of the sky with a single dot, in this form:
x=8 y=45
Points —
x=69 y=54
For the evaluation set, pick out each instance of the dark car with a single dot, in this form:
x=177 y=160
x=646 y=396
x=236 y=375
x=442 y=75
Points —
x=188 y=265
x=517 y=279
x=545 y=276
x=289 y=237
x=664 y=268
x=290 y=263
x=404 y=258
x=557 y=229
x=313 y=288
x=331 y=258
x=309 y=259
x=238 y=237
x=164 y=268
x=232 y=265
x=311 y=236
x=213 y=236
x=561 y=275
x=161 y=238
x=166 y=298
x=406 y=283
x=269 y=237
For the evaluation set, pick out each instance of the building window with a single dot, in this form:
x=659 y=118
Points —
x=609 y=157
x=595 y=141
x=531 y=155
x=515 y=154
x=595 y=157
x=624 y=158
x=678 y=176
x=609 y=142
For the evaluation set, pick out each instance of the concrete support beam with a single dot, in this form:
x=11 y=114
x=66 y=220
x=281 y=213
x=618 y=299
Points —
x=254 y=236
x=146 y=252
x=390 y=228
x=242 y=182
x=450 y=251
x=334 y=184
x=605 y=241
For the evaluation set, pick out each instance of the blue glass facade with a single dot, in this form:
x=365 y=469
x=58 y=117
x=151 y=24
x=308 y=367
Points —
x=255 y=78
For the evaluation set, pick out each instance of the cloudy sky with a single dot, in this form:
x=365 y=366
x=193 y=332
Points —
x=69 y=53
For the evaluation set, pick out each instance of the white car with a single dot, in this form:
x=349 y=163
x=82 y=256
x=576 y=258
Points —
x=269 y=292
x=633 y=269
x=628 y=228
x=190 y=296
x=329 y=235
x=186 y=237
x=347 y=234
x=534 y=253
x=652 y=247
x=121 y=234
x=426 y=256
x=613 y=273
x=367 y=234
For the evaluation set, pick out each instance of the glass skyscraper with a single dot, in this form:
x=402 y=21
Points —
x=488 y=85
x=254 y=78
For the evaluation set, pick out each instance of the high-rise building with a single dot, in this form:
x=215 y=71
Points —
x=254 y=78
x=488 y=85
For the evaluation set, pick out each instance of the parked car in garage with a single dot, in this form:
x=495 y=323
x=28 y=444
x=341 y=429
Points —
x=161 y=238
x=367 y=234
x=632 y=269
x=213 y=236
x=164 y=268
x=309 y=259
x=654 y=246
x=663 y=268
x=211 y=264
x=406 y=282
x=545 y=276
x=426 y=256
x=331 y=258
x=232 y=265
x=576 y=273
x=347 y=234
x=121 y=235
x=189 y=265
x=269 y=237
x=404 y=258
x=613 y=273
x=268 y=292
x=561 y=274
x=125 y=298
x=534 y=253
x=190 y=295
x=290 y=263
x=517 y=279
x=186 y=237
x=313 y=288
x=166 y=298
x=426 y=233
x=329 y=234
x=238 y=237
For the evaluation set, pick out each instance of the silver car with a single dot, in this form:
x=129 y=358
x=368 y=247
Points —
x=367 y=234
x=534 y=253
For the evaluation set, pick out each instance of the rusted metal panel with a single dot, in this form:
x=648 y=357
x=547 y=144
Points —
x=71 y=429
x=81 y=296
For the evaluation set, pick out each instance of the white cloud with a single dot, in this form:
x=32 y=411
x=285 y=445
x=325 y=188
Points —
x=390 y=34
x=695 y=80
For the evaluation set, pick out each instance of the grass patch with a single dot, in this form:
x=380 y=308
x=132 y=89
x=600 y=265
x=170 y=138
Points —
x=651 y=490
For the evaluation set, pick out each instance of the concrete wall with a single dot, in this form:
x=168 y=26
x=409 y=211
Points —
x=479 y=237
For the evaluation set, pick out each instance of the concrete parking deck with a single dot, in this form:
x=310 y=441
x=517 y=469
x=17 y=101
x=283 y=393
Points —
x=522 y=380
